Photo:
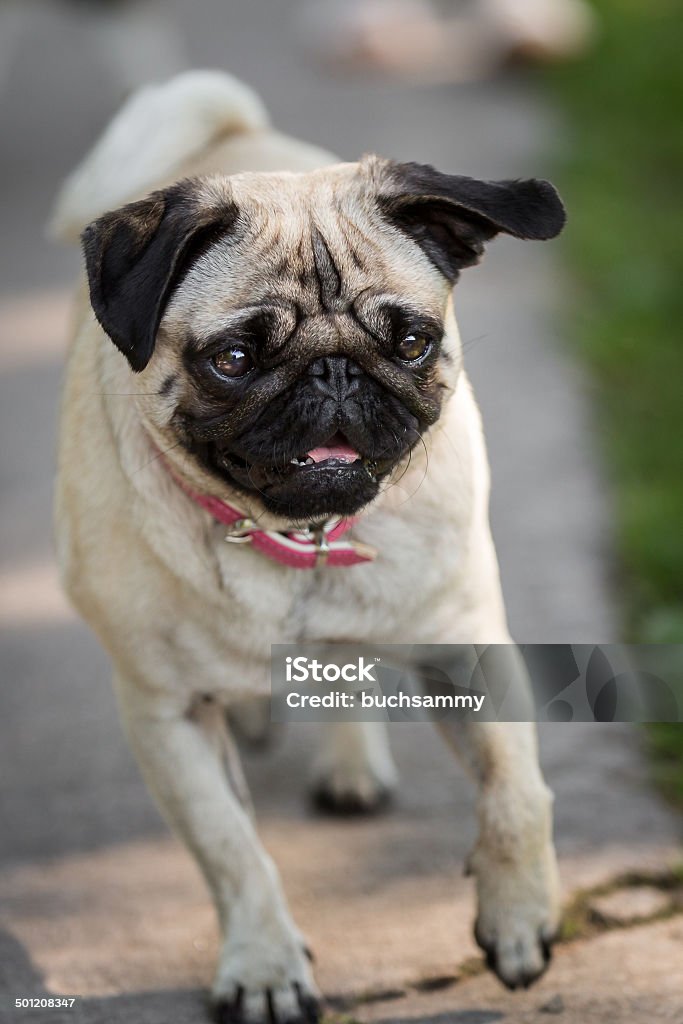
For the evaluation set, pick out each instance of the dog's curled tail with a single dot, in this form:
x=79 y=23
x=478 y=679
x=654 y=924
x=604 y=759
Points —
x=154 y=133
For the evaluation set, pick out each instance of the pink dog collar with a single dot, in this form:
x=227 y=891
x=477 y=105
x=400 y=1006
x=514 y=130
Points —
x=299 y=549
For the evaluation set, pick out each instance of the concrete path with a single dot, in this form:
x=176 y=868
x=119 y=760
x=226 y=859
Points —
x=96 y=899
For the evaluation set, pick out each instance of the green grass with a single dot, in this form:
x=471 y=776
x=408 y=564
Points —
x=665 y=745
x=622 y=177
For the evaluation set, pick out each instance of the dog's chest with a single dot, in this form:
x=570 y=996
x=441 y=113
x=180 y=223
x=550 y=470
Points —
x=222 y=643
x=378 y=600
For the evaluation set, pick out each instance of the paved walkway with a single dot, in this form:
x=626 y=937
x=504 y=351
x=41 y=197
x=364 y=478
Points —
x=95 y=898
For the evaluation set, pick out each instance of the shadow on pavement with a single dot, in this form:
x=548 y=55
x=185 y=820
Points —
x=19 y=978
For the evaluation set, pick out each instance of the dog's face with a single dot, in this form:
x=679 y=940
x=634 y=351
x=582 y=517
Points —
x=291 y=326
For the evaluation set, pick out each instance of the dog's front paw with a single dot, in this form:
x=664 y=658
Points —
x=256 y=984
x=518 y=916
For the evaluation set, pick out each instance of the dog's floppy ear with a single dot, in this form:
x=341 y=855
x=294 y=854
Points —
x=450 y=217
x=136 y=256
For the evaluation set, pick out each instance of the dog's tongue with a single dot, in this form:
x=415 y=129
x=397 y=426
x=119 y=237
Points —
x=342 y=452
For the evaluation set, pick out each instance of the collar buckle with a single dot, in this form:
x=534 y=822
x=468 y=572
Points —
x=240 y=531
x=321 y=544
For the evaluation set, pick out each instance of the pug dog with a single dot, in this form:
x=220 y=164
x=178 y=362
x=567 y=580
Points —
x=268 y=436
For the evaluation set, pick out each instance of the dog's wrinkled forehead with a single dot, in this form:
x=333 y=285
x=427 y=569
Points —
x=312 y=247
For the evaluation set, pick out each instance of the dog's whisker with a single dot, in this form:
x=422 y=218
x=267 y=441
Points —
x=455 y=449
x=423 y=477
x=394 y=483
x=469 y=344
x=407 y=466
x=154 y=458
x=251 y=481
x=126 y=394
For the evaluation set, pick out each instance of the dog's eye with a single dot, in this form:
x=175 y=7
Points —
x=413 y=347
x=233 y=362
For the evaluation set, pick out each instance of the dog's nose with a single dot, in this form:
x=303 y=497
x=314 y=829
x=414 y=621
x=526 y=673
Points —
x=336 y=376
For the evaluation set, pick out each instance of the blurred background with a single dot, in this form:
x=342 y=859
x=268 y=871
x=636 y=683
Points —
x=575 y=352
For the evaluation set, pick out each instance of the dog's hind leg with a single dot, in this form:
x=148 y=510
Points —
x=354 y=772
x=263 y=972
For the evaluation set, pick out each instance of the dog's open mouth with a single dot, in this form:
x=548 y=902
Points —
x=332 y=477
x=334 y=452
